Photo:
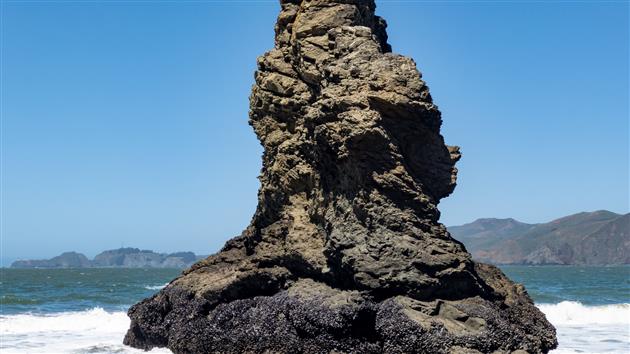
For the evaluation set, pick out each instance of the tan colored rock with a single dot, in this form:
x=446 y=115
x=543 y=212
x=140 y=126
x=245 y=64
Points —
x=345 y=252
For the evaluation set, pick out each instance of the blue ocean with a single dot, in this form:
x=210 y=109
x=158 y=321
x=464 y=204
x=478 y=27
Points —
x=84 y=310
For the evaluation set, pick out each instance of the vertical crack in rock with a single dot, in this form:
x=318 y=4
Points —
x=345 y=253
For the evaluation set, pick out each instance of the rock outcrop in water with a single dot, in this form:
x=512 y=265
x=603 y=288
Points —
x=345 y=253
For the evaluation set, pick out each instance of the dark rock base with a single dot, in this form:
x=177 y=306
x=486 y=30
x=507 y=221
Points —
x=311 y=317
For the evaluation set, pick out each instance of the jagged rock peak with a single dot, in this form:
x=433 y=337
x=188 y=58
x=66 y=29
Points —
x=299 y=20
x=345 y=252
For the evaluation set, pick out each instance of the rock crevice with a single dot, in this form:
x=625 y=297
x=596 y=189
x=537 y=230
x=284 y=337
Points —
x=344 y=253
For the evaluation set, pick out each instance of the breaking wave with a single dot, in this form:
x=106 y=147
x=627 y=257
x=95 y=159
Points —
x=575 y=313
x=155 y=287
x=92 y=331
x=581 y=329
x=603 y=329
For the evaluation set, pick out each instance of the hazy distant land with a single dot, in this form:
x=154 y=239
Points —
x=119 y=258
x=589 y=238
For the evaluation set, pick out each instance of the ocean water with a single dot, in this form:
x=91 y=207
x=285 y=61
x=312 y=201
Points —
x=84 y=310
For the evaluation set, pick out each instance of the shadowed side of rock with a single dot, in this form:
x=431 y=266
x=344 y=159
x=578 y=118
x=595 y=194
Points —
x=345 y=253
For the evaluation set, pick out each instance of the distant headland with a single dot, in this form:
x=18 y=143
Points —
x=590 y=238
x=118 y=258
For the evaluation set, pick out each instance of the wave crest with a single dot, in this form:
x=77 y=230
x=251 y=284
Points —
x=576 y=313
x=89 y=331
x=156 y=287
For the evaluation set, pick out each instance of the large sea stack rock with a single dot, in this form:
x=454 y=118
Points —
x=345 y=253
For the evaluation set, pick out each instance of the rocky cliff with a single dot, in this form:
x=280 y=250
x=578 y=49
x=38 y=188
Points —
x=593 y=238
x=345 y=253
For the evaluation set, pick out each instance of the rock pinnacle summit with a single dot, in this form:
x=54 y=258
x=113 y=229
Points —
x=344 y=253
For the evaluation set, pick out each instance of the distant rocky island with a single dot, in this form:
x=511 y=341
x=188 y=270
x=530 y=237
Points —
x=589 y=238
x=119 y=258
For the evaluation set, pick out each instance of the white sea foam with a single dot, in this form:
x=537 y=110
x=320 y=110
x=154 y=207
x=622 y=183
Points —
x=581 y=329
x=590 y=329
x=574 y=313
x=92 y=331
x=155 y=287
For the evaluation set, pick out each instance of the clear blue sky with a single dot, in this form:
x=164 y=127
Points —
x=125 y=123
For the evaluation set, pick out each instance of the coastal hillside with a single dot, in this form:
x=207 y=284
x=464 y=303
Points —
x=64 y=260
x=589 y=238
x=119 y=258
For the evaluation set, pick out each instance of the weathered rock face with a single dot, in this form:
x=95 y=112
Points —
x=345 y=253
